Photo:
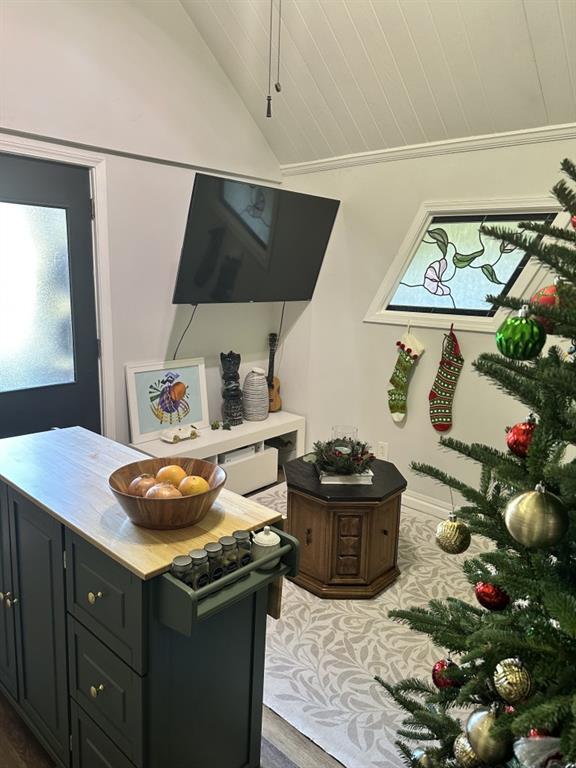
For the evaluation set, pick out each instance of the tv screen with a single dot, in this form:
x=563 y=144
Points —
x=245 y=242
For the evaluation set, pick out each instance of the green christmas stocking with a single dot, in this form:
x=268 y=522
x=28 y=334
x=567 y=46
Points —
x=442 y=392
x=409 y=350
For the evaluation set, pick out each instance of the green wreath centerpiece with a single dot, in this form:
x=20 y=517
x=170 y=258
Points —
x=343 y=456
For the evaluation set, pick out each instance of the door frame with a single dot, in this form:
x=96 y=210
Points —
x=96 y=164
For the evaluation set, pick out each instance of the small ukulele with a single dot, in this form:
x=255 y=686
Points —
x=273 y=382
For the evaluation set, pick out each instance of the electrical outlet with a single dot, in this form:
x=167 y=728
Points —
x=382 y=451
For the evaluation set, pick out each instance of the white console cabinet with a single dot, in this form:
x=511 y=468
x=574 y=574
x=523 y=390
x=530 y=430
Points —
x=247 y=472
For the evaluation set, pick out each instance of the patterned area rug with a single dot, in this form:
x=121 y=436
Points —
x=322 y=655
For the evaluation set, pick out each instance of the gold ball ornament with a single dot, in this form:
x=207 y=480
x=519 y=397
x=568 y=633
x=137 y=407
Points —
x=464 y=754
x=489 y=747
x=453 y=536
x=422 y=757
x=536 y=519
x=512 y=681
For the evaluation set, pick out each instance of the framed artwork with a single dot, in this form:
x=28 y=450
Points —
x=164 y=395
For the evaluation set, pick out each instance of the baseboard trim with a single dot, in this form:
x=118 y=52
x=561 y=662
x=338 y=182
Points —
x=420 y=502
x=429 y=149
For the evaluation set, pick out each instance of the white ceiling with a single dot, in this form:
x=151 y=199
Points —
x=362 y=75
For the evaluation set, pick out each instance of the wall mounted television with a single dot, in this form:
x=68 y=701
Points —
x=246 y=242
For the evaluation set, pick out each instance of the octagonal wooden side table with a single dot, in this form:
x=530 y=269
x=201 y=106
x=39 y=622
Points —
x=348 y=533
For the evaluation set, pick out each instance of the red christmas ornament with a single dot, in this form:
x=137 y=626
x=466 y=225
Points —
x=491 y=596
x=573 y=221
x=519 y=437
x=509 y=709
x=538 y=733
x=545 y=297
x=441 y=676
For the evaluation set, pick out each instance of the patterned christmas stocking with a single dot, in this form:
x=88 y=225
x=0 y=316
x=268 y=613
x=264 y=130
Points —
x=409 y=350
x=442 y=392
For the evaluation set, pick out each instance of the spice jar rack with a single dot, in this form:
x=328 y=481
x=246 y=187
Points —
x=180 y=607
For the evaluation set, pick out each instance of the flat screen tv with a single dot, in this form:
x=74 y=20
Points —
x=246 y=242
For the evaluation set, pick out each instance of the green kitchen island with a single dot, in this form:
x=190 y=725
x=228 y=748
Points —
x=111 y=661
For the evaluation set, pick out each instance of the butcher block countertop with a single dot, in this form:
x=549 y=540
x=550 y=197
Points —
x=65 y=471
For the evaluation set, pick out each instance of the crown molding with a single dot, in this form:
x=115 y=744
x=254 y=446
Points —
x=430 y=149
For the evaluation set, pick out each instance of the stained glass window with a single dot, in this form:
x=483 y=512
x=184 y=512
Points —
x=455 y=266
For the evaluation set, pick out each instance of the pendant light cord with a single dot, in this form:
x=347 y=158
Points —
x=269 y=96
x=278 y=86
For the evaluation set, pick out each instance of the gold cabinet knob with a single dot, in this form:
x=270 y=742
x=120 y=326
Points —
x=95 y=691
x=93 y=596
x=11 y=601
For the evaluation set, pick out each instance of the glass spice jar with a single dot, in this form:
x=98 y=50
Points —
x=199 y=575
x=214 y=550
x=181 y=566
x=244 y=547
x=229 y=554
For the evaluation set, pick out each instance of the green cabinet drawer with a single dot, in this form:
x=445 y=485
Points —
x=91 y=748
x=107 y=689
x=107 y=599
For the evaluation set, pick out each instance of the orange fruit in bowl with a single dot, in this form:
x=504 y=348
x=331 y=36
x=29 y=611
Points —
x=192 y=485
x=172 y=474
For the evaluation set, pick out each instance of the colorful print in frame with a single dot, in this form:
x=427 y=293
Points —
x=164 y=395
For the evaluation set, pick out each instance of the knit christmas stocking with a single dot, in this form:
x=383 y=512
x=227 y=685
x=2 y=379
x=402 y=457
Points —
x=409 y=350
x=442 y=392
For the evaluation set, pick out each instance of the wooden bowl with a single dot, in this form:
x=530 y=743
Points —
x=166 y=513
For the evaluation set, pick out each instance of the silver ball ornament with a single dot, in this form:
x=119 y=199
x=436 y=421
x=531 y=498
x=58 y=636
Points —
x=537 y=519
x=421 y=757
x=490 y=747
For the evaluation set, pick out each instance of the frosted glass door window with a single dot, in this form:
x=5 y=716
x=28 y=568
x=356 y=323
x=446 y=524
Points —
x=36 y=347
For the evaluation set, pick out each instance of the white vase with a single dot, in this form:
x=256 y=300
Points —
x=255 y=395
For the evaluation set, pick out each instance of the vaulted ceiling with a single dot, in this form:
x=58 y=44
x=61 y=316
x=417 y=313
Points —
x=362 y=75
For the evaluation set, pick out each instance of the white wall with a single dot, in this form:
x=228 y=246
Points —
x=131 y=76
x=148 y=205
x=349 y=362
x=137 y=77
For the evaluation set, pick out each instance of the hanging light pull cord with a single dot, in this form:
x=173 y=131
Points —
x=269 y=96
x=277 y=85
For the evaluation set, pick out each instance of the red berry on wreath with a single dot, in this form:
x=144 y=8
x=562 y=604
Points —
x=491 y=596
x=538 y=733
x=573 y=221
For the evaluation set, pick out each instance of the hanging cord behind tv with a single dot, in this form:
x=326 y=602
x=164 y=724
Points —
x=194 y=308
x=279 y=340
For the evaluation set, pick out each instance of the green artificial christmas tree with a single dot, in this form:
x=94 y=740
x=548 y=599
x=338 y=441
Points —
x=506 y=696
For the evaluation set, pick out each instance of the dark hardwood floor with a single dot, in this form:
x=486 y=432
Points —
x=19 y=748
x=284 y=746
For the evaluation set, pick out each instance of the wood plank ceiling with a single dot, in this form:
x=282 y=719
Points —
x=362 y=75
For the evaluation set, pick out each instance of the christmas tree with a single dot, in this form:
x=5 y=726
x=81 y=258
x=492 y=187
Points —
x=506 y=694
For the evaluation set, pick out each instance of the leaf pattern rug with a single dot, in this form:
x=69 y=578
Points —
x=322 y=655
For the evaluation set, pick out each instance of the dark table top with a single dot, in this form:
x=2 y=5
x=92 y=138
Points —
x=387 y=481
